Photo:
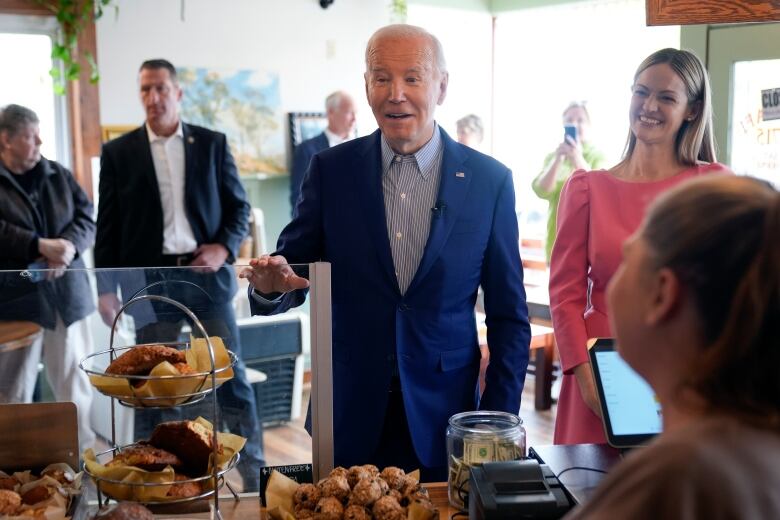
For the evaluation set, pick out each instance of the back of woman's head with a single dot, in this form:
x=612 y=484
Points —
x=721 y=236
x=695 y=141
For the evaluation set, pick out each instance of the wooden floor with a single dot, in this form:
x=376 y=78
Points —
x=290 y=444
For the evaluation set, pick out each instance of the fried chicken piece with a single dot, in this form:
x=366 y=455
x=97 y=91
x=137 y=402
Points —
x=387 y=508
x=366 y=492
x=307 y=496
x=329 y=508
x=393 y=476
x=335 y=486
x=339 y=471
x=139 y=361
x=356 y=474
x=145 y=456
x=356 y=512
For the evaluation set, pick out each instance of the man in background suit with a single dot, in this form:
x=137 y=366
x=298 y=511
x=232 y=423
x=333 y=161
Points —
x=170 y=195
x=340 y=110
x=412 y=224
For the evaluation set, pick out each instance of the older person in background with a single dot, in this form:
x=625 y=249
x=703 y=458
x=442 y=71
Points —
x=340 y=109
x=45 y=223
x=694 y=307
x=471 y=131
x=574 y=153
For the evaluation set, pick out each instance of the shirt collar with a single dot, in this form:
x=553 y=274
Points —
x=154 y=137
x=425 y=156
x=334 y=139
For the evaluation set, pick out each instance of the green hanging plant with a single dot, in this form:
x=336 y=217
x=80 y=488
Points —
x=71 y=16
x=398 y=10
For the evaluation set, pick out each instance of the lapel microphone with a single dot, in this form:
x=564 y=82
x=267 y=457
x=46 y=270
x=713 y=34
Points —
x=438 y=209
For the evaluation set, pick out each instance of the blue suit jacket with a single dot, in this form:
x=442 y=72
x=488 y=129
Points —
x=301 y=159
x=430 y=330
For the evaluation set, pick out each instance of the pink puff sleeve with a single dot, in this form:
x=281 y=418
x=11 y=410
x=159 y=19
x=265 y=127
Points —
x=569 y=272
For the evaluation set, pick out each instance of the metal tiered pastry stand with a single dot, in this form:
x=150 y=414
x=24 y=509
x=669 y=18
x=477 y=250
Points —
x=217 y=475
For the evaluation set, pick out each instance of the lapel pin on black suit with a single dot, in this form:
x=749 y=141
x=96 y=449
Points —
x=190 y=139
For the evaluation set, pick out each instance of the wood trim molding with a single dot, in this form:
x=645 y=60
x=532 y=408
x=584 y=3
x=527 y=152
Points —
x=83 y=97
x=25 y=7
x=689 y=12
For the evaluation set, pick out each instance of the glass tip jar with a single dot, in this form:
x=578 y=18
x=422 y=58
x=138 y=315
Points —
x=477 y=437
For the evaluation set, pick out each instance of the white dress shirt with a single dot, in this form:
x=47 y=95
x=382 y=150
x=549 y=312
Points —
x=334 y=139
x=168 y=158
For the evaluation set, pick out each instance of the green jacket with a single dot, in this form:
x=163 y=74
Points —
x=596 y=161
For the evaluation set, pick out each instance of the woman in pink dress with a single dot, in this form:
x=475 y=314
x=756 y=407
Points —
x=670 y=140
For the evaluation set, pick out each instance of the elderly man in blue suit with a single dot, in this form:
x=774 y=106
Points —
x=340 y=110
x=412 y=223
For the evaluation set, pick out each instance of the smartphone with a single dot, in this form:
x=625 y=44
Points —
x=571 y=131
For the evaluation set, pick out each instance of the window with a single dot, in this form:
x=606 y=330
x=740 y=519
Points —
x=26 y=43
x=547 y=57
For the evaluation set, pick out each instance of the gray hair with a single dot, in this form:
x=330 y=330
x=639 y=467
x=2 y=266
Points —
x=333 y=101
x=14 y=118
x=472 y=124
x=401 y=31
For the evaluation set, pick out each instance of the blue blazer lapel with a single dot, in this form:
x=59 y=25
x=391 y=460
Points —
x=453 y=187
x=368 y=180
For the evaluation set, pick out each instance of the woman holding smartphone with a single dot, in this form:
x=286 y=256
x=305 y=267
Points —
x=694 y=308
x=670 y=140
x=574 y=153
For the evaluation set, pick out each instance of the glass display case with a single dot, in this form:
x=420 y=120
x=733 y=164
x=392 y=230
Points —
x=60 y=331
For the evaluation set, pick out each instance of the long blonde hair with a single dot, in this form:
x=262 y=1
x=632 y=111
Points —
x=695 y=141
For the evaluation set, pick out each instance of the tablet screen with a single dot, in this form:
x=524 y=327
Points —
x=631 y=404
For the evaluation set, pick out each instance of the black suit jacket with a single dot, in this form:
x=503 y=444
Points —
x=64 y=212
x=130 y=217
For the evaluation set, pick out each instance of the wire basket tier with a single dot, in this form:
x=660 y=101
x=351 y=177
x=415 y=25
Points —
x=197 y=384
x=219 y=474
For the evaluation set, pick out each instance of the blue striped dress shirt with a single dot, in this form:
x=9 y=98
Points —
x=410 y=185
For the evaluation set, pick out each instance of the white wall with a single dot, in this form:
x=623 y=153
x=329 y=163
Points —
x=314 y=50
x=466 y=36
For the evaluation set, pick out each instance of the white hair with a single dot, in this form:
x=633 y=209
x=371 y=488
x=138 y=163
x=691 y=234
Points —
x=401 y=31
x=334 y=99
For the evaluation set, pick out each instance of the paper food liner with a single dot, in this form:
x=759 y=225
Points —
x=197 y=358
x=280 y=504
x=231 y=444
x=56 y=506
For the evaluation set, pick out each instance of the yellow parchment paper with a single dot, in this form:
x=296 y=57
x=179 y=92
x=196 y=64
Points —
x=131 y=476
x=197 y=358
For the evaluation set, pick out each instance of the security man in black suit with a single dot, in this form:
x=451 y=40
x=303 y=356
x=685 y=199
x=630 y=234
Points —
x=170 y=195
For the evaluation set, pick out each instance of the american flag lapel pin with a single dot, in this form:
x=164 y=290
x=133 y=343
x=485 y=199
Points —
x=460 y=174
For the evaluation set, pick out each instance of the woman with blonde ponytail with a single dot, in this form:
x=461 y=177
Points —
x=695 y=307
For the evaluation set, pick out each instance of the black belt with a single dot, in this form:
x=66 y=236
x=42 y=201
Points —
x=176 y=260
